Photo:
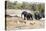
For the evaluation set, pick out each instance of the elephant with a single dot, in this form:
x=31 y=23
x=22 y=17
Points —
x=39 y=15
x=27 y=15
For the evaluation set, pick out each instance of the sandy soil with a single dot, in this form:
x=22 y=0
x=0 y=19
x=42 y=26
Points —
x=19 y=23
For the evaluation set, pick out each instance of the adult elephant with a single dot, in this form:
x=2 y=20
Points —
x=26 y=15
x=38 y=15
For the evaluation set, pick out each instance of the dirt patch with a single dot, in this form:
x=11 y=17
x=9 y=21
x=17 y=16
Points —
x=16 y=22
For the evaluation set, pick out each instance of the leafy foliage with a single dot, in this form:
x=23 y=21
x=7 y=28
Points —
x=25 y=5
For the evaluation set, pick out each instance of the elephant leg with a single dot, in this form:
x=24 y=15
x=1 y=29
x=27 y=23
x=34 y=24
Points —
x=36 y=17
x=39 y=17
x=32 y=18
x=28 y=18
x=24 y=18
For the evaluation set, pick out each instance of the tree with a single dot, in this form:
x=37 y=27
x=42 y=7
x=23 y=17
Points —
x=33 y=7
x=41 y=7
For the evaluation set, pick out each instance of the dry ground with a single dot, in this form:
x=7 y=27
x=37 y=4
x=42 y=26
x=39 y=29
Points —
x=18 y=23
